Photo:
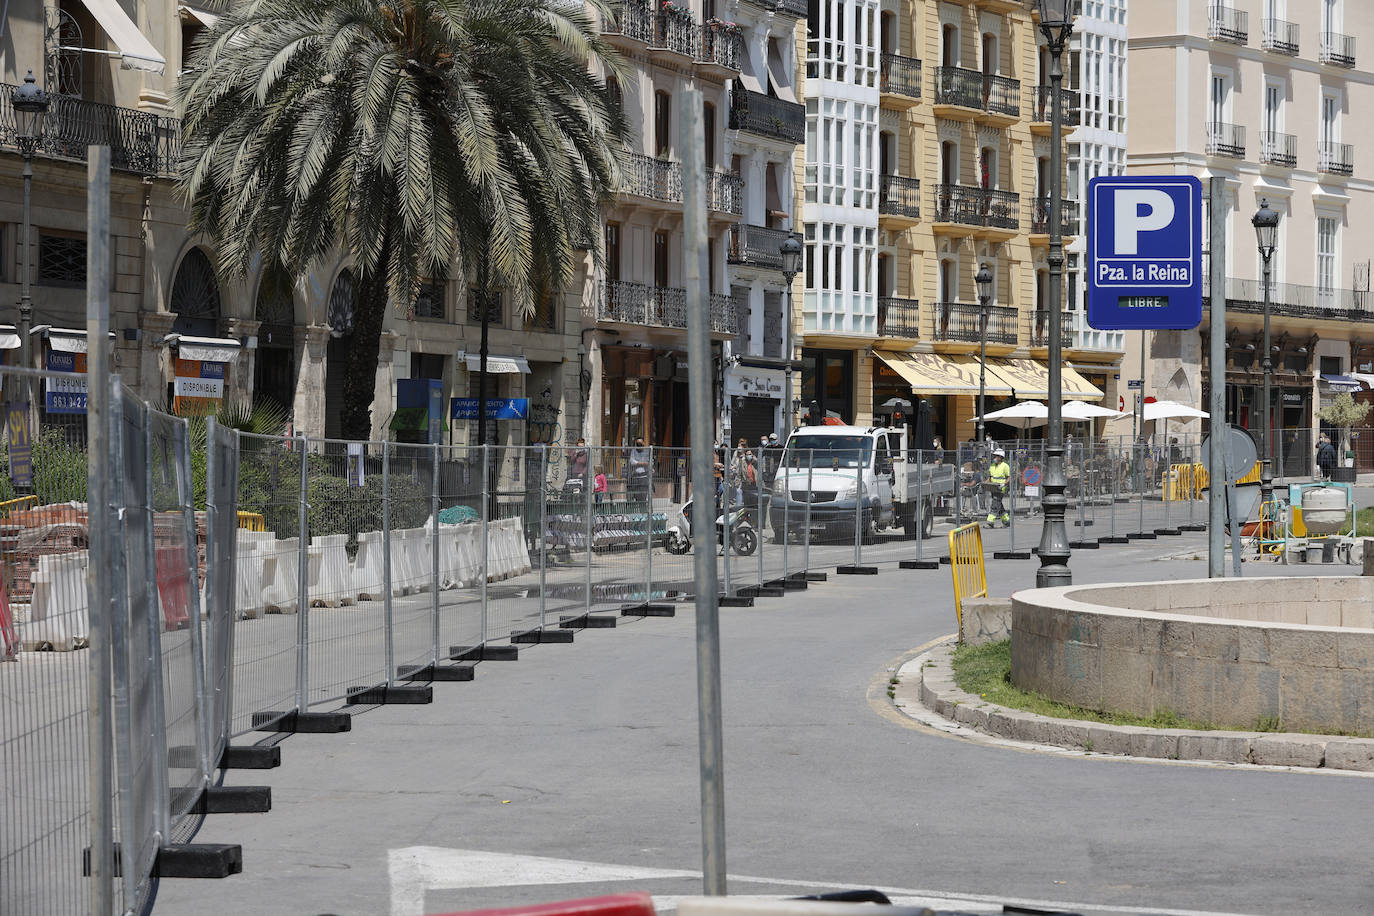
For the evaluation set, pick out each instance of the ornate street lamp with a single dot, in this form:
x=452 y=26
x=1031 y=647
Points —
x=984 y=281
x=1056 y=24
x=791 y=249
x=30 y=105
x=1266 y=223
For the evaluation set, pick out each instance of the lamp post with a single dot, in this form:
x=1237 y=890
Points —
x=984 y=281
x=1056 y=24
x=791 y=249
x=30 y=105
x=1266 y=223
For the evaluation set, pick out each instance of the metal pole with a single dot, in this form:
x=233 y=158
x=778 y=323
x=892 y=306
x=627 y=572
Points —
x=25 y=302
x=543 y=458
x=1216 y=370
x=787 y=374
x=758 y=493
x=727 y=485
x=920 y=508
x=1112 y=512
x=696 y=270
x=388 y=643
x=99 y=571
x=162 y=817
x=589 y=533
x=486 y=518
x=649 y=535
x=858 y=507
x=303 y=586
x=1054 y=542
x=1140 y=482
x=982 y=362
x=434 y=511
x=1012 y=481
x=786 y=499
x=1267 y=464
x=806 y=515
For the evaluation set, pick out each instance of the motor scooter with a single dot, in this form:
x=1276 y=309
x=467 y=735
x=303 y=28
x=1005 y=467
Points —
x=744 y=537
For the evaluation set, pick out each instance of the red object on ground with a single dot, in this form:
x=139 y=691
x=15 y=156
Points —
x=172 y=585
x=638 y=903
x=8 y=633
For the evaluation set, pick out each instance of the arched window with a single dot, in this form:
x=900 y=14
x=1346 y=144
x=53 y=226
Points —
x=342 y=300
x=274 y=376
x=341 y=303
x=195 y=296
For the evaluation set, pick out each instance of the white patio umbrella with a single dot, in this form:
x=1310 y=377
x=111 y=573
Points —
x=1172 y=410
x=1021 y=416
x=1080 y=410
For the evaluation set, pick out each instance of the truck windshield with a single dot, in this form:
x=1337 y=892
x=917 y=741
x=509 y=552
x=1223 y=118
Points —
x=828 y=452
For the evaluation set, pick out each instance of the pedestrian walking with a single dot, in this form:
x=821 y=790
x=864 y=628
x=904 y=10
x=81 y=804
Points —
x=639 y=459
x=600 y=491
x=1326 y=456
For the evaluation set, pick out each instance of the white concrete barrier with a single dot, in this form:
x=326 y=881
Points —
x=248 y=602
x=468 y=548
x=57 y=609
x=330 y=575
x=280 y=576
x=367 y=583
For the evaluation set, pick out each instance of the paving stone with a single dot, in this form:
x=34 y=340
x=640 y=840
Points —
x=1229 y=747
x=1290 y=750
x=1350 y=754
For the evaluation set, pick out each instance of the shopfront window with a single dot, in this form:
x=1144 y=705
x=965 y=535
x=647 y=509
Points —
x=828 y=382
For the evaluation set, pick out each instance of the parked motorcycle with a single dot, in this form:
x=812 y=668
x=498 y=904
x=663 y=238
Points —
x=744 y=537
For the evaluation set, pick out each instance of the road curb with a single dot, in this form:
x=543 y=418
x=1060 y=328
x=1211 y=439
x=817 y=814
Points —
x=928 y=680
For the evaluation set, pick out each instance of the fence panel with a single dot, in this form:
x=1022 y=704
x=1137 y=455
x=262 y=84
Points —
x=221 y=575
x=460 y=532
x=43 y=678
x=410 y=511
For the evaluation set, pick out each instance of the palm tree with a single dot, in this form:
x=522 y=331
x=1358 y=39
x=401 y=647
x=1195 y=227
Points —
x=409 y=132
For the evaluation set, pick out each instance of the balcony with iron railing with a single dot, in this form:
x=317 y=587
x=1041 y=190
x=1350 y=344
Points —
x=139 y=141
x=1278 y=149
x=1068 y=217
x=899 y=197
x=1001 y=96
x=1040 y=327
x=1292 y=300
x=632 y=22
x=1225 y=140
x=725 y=192
x=974 y=206
x=1226 y=23
x=1280 y=36
x=795 y=8
x=1069 y=106
x=958 y=88
x=722 y=49
x=625 y=302
x=899 y=317
x=1338 y=49
x=900 y=77
x=766 y=116
x=963 y=321
x=756 y=246
x=1335 y=158
x=676 y=32
x=650 y=178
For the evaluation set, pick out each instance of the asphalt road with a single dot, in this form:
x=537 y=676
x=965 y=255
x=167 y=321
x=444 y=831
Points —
x=588 y=754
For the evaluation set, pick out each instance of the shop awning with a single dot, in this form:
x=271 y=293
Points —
x=9 y=337
x=191 y=14
x=505 y=364
x=1346 y=383
x=1031 y=379
x=209 y=349
x=936 y=373
x=65 y=340
x=136 y=52
x=1364 y=377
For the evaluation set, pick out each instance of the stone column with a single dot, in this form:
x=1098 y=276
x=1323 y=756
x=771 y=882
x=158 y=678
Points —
x=312 y=347
x=154 y=358
x=239 y=378
x=384 y=394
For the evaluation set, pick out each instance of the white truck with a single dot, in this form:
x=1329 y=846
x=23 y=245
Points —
x=830 y=467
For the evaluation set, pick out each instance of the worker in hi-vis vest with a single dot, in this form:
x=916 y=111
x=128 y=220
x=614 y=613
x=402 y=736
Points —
x=999 y=478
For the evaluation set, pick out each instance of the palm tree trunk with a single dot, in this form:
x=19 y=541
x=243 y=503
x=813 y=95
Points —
x=360 y=362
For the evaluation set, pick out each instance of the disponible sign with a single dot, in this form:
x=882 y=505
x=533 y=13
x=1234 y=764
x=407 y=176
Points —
x=198 y=386
x=497 y=408
x=65 y=393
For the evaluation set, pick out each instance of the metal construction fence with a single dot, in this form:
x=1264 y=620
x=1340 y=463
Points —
x=258 y=580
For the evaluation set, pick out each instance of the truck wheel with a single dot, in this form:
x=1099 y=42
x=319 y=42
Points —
x=909 y=525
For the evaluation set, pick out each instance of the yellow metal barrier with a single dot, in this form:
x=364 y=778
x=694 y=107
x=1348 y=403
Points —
x=10 y=505
x=966 y=565
x=252 y=521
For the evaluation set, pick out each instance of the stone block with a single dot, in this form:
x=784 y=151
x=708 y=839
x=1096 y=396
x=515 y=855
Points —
x=1315 y=699
x=1238 y=699
x=1185 y=595
x=1109 y=739
x=1029 y=617
x=1084 y=628
x=1289 y=750
x=1341 y=588
x=1358 y=614
x=1311 y=648
x=1355 y=650
x=1154 y=742
x=1033 y=729
x=1324 y=614
x=1067 y=733
x=1176 y=638
x=972 y=715
x=1350 y=753
x=985 y=620
x=1128 y=682
x=1254 y=644
x=1218 y=641
x=1002 y=723
x=1119 y=632
x=1228 y=747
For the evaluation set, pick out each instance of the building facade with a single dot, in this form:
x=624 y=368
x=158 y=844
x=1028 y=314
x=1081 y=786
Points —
x=1269 y=94
x=927 y=157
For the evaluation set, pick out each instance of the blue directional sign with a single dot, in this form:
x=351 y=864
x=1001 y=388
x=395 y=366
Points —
x=497 y=408
x=1145 y=252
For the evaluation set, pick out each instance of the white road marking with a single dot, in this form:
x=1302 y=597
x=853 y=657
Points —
x=416 y=869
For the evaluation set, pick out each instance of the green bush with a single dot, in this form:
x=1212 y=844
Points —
x=59 y=469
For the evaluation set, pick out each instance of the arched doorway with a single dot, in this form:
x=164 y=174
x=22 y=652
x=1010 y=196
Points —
x=195 y=297
x=274 y=370
x=342 y=300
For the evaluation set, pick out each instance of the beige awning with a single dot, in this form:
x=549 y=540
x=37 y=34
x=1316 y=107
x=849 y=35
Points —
x=936 y=373
x=208 y=349
x=1031 y=379
x=136 y=52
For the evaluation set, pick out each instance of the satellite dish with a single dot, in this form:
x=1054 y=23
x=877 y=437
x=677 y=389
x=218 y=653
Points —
x=1238 y=452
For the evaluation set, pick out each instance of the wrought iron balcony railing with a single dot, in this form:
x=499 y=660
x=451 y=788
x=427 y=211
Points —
x=1069 y=106
x=1227 y=24
x=139 y=141
x=1280 y=36
x=679 y=34
x=1040 y=327
x=634 y=19
x=761 y=114
x=900 y=75
x=1278 y=149
x=899 y=317
x=1293 y=300
x=722 y=45
x=796 y=8
x=957 y=86
x=1338 y=49
x=1335 y=158
x=1225 y=140
x=963 y=321
x=899 y=196
x=659 y=306
x=645 y=176
x=975 y=206
x=756 y=246
x=726 y=192
x=1001 y=95
x=1068 y=216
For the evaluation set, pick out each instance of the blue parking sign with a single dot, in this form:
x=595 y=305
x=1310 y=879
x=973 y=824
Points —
x=1145 y=252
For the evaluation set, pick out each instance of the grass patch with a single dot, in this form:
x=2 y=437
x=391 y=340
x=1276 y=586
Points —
x=985 y=671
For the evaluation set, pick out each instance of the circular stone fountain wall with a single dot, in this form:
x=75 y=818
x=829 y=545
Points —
x=1242 y=653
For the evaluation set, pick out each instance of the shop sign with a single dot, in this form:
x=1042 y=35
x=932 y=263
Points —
x=66 y=393
x=755 y=383
x=497 y=408
x=198 y=387
x=21 y=448
x=1291 y=397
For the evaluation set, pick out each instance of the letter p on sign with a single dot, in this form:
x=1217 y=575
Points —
x=1140 y=210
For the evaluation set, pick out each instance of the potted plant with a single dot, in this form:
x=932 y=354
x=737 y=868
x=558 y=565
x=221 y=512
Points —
x=1343 y=413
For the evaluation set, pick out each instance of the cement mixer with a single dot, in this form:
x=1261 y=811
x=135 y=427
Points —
x=1320 y=523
